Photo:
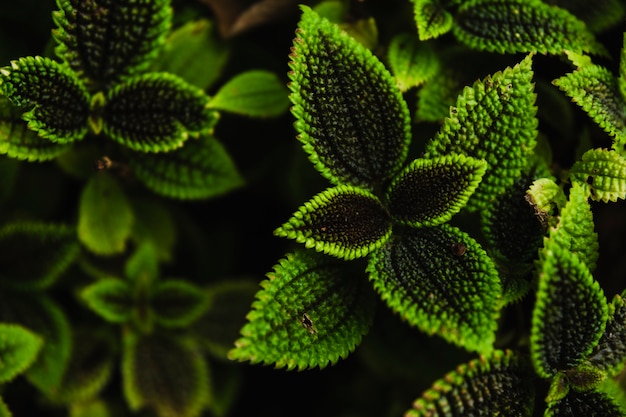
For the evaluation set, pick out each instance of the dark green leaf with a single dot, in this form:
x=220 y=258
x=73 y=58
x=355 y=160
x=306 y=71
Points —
x=493 y=120
x=255 y=93
x=343 y=221
x=104 y=41
x=610 y=352
x=9 y=172
x=177 y=303
x=441 y=281
x=411 y=61
x=156 y=112
x=497 y=385
x=4 y=410
x=164 y=373
x=621 y=79
x=590 y=403
x=432 y=19
x=570 y=312
x=111 y=299
x=55 y=102
x=155 y=224
x=350 y=115
x=429 y=192
x=509 y=26
x=53 y=246
x=585 y=377
x=200 y=169
x=19 y=348
x=604 y=172
x=597 y=15
x=143 y=265
x=312 y=311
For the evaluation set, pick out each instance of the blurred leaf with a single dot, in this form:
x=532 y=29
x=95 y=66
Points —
x=598 y=15
x=19 y=348
x=9 y=172
x=411 y=61
x=311 y=312
x=590 y=403
x=156 y=224
x=4 y=410
x=432 y=19
x=111 y=299
x=436 y=96
x=177 y=303
x=610 y=353
x=92 y=408
x=604 y=172
x=79 y=159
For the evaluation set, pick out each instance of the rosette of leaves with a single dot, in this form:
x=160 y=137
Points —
x=354 y=124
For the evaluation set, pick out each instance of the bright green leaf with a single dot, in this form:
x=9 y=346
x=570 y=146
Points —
x=312 y=311
x=255 y=93
x=156 y=112
x=411 y=61
x=177 y=303
x=143 y=265
x=496 y=385
x=598 y=15
x=429 y=192
x=111 y=299
x=343 y=221
x=105 y=217
x=92 y=408
x=55 y=101
x=589 y=403
x=604 y=172
x=432 y=19
x=569 y=314
x=545 y=195
x=441 y=281
x=106 y=41
x=19 y=348
x=610 y=352
x=350 y=115
x=509 y=26
x=4 y=410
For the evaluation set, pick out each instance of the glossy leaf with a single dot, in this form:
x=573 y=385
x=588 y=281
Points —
x=156 y=112
x=432 y=19
x=493 y=120
x=428 y=192
x=54 y=246
x=509 y=26
x=165 y=374
x=111 y=299
x=255 y=93
x=350 y=115
x=412 y=62
x=596 y=90
x=200 y=169
x=441 y=281
x=177 y=303
x=589 y=403
x=496 y=385
x=343 y=221
x=312 y=311
x=104 y=41
x=19 y=348
x=569 y=314
x=604 y=172
x=610 y=352
x=55 y=103
x=105 y=217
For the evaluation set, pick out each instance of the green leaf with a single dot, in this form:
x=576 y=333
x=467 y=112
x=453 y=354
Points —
x=4 y=410
x=156 y=225
x=604 y=172
x=177 y=303
x=428 y=192
x=343 y=221
x=164 y=373
x=53 y=246
x=411 y=61
x=312 y=311
x=350 y=115
x=193 y=52
x=200 y=169
x=255 y=93
x=569 y=314
x=585 y=377
x=143 y=265
x=105 y=41
x=510 y=26
x=496 y=385
x=19 y=348
x=609 y=354
x=17 y=141
x=596 y=90
x=441 y=281
x=598 y=16
x=621 y=79
x=432 y=19
x=156 y=112
x=590 y=403
x=111 y=299
x=437 y=95
x=105 y=217
x=55 y=102
x=545 y=195
x=493 y=120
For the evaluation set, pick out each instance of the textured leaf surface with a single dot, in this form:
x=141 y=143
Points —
x=509 y=26
x=432 y=19
x=496 y=385
x=104 y=41
x=111 y=299
x=604 y=172
x=344 y=221
x=598 y=16
x=411 y=61
x=569 y=314
x=54 y=246
x=312 y=311
x=166 y=374
x=441 y=281
x=350 y=115
x=596 y=90
x=55 y=102
x=590 y=403
x=177 y=303
x=493 y=120
x=255 y=93
x=545 y=195
x=200 y=169
x=610 y=352
x=105 y=217
x=156 y=112
x=429 y=192
x=19 y=348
